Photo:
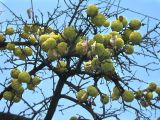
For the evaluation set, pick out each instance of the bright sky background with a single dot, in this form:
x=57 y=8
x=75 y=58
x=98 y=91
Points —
x=148 y=7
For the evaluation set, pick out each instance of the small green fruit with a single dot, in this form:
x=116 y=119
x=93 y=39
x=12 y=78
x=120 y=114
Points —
x=98 y=38
x=92 y=10
x=106 y=23
x=104 y=98
x=62 y=48
x=128 y=96
x=36 y=80
x=24 y=77
x=82 y=95
x=50 y=43
x=15 y=72
x=129 y=49
x=30 y=86
x=149 y=96
x=92 y=91
x=119 y=43
x=70 y=33
x=1 y=37
x=24 y=35
x=43 y=38
x=28 y=51
x=9 y=31
x=17 y=51
x=16 y=99
x=98 y=20
x=32 y=39
x=116 y=25
x=135 y=24
x=126 y=34
x=10 y=46
x=15 y=84
x=115 y=97
x=152 y=86
x=107 y=66
x=135 y=37
x=8 y=95
x=123 y=20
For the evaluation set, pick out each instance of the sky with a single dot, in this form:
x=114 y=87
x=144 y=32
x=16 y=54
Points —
x=147 y=7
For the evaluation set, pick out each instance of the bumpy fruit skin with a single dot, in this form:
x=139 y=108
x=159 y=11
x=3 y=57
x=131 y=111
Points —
x=158 y=90
x=106 y=23
x=135 y=24
x=36 y=80
x=17 y=51
x=24 y=77
x=16 y=99
x=43 y=38
x=73 y=118
x=82 y=95
x=116 y=25
x=15 y=84
x=50 y=43
x=149 y=96
x=15 y=72
x=126 y=34
x=28 y=51
x=98 y=20
x=98 y=38
x=82 y=47
x=98 y=49
x=10 y=46
x=62 y=48
x=8 y=95
x=70 y=33
x=92 y=91
x=1 y=37
x=128 y=96
x=32 y=39
x=9 y=31
x=129 y=49
x=20 y=91
x=24 y=35
x=123 y=20
x=104 y=98
x=106 y=54
x=107 y=38
x=119 y=43
x=107 y=66
x=135 y=38
x=92 y=10
x=152 y=86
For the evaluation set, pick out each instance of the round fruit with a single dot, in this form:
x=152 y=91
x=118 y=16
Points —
x=9 y=31
x=135 y=37
x=92 y=91
x=43 y=38
x=81 y=47
x=158 y=90
x=62 y=48
x=8 y=95
x=88 y=66
x=82 y=95
x=116 y=91
x=152 y=86
x=16 y=99
x=128 y=96
x=116 y=25
x=27 y=28
x=106 y=23
x=28 y=51
x=92 y=10
x=119 y=43
x=98 y=20
x=20 y=91
x=104 y=98
x=149 y=96
x=24 y=77
x=30 y=86
x=128 y=49
x=95 y=63
x=32 y=39
x=24 y=35
x=73 y=118
x=123 y=20
x=126 y=34
x=98 y=49
x=61 y=65
x=36 y=80
x=1 y=37
x=135 y=24
x=107 y=38
x=115 y=97
x=15 y=72
x=107 y=66
x=98 y=38
x=15 y=84
x=17 y=51
x=70 y=33
x=10 y=46
x=50 y=43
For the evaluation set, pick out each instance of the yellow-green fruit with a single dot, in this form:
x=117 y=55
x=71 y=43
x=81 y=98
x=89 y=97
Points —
x=152 y=86
x=62 y=48
x=82 y=95
x=30 y=86
x=107 y=38
x=36 y=80
x=138 y=94
x=126 y=34
x=15 y=84
x=149 y=96
x=32 y=39
x=17 y=51
x=20 y=91
x=135 y=24
x=28 y=51
x=43 y=38
x=119 y=43
x=73 y=118
x=116 y=91
x=9 y=31
x=107 y=66
x=8 y=95
x=22 y=57
x=128 y=96
x=27 y=28
x=88 y=66
x=34 y=28
x=49 y=30
x=16 y=99
x=52 y=54
x=129 y=49
x=1 y=37
x=98 y=49
x=92 y=10
x=98 y=38
x=95 y=64
x=24 y=35
x=158 y=90
x=104 y=98
x=123 y=20
x=10 y=46
x=15 y=72
x=115 y=97
x=24 y=77
x=114 y=33
x=50 y=43
x=106 y=54
x=61 y=65
x=106 y=23
x=70 y=33
x=135 y=37
x=81 y=47
x=144 y=103
x=116 y=25
x=98 y=20
x=92 y=91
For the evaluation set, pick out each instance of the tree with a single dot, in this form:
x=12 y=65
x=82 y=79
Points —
x=89 y=58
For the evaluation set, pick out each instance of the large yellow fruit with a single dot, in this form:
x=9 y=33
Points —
x=158 y=90
x=8 y=95
x=92 y=91
x=92 y=10
x=116 y=25
x=43 y=38
x=15 y=72
x=50 y=43
x=119 y=43
x=129 y=49
x=104 y=98
x=152 y=86
x=135 y=37
x=24 y=77
x=128 y=96
x=98 y=20
x=24 y=35
x=62 y=48
x=73 y=118
x=135 y=24
x=1 y=37
x=98 y=38
x=106 y=66
x=36 y=80
x=10 y=46
x=32 y=39
x=149 y=96
x=28 y=51
x=69 y=33
x=82 y=95
x=9 y=31
x=15 y=84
